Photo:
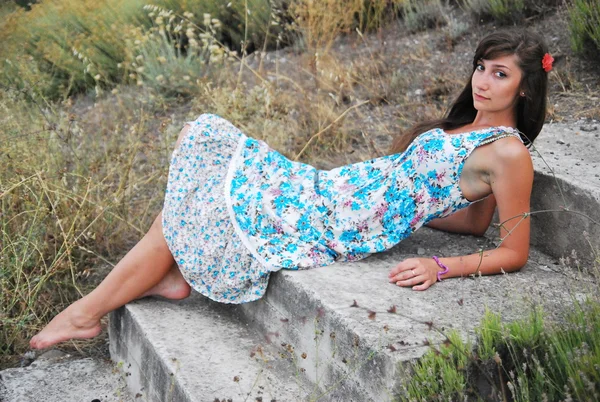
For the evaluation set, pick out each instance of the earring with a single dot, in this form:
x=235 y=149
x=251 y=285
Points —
x=522 y=93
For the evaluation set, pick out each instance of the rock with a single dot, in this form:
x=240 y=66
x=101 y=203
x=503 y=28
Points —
x=588 y=127
x=54 y=354
x=57 y=377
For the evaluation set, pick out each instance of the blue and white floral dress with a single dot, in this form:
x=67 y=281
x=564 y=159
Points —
x=236 y=210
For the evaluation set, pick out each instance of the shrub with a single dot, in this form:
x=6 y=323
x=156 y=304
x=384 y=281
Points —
x=420 y=15
x=502 y=11
x=317 y=23
x=55 y=37
x=174 y=55
x=508 y=12
x=80 y=45
x=584 y=26
x=526 y=360
x=441 y=375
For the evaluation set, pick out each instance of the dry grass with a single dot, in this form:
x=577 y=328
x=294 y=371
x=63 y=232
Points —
x=77 y=187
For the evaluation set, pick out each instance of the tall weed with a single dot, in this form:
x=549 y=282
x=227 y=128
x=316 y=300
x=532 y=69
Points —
x=584 y=26
x=508 y=12
x=317 y=23
x=174 y=55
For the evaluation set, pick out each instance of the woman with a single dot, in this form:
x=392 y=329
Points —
x=235 y=210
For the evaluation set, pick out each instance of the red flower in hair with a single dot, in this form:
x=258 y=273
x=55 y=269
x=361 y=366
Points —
x=547 y=61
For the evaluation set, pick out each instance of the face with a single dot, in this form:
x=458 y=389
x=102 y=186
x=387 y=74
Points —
x=496 y=84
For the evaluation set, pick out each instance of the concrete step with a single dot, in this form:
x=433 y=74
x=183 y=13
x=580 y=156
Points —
x=313 y=344
x=361 y=353
x=566 y=158
x=194 y=350
x=58 y=377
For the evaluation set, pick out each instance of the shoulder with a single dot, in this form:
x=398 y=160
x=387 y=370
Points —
x=510 y=148
x=510 y=160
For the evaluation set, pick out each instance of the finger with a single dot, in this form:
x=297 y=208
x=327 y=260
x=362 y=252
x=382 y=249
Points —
x=412 y=281
x=425 y=285
x=397 y=269
x=403 y=276
x=404 y=266
x=411 y=272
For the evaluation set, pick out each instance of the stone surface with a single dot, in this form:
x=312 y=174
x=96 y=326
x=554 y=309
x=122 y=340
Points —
x=194 y=350
x=56 y=377
x=312 y=333
x=363 y=347
x=567 y=164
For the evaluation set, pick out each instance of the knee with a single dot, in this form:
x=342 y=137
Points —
x=157 y=224
x=183 y=132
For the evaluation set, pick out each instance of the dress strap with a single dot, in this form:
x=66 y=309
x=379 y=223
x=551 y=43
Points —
x=508 y=132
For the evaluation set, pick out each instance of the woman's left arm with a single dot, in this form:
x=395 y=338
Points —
x=511 y=181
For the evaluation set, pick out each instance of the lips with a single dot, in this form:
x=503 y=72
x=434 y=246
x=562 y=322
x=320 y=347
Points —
x=480 y=98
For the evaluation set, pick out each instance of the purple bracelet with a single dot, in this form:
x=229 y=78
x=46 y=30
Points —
x=441 y=265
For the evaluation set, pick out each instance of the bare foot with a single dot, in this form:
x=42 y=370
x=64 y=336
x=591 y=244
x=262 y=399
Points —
x=172 y=286
x=69 y=324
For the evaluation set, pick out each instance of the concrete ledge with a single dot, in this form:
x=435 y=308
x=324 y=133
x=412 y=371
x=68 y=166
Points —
x=368 y=350
x=195 y=350
x=58 y=377
x=313 y=343
x=573 y=155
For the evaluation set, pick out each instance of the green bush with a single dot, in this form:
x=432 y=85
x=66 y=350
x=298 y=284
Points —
x=78 y=45
x=441 y=374
x=507 y=12
x=63 y=47
x=419 y=15
x=584 y=26
x=526 y=360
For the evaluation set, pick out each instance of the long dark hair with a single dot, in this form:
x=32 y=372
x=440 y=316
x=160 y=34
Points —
x=529 y=48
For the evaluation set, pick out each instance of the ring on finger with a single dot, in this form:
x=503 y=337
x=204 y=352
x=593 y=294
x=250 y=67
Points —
x=413 y=272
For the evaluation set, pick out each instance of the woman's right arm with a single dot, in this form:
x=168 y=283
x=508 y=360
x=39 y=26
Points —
x=475 y=219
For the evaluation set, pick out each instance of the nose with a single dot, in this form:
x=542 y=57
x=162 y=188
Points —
x=481 y=82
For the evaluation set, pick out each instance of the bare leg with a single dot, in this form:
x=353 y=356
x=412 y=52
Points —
x=173 y=286
x=141 y=270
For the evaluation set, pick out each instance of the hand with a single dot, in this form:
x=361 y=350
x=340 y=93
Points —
x=420 y=273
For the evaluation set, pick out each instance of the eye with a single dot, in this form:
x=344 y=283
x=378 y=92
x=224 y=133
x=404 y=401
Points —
x=480 y=67
x=501 y=74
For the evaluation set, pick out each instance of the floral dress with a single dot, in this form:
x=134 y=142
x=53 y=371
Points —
x=236 y=210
